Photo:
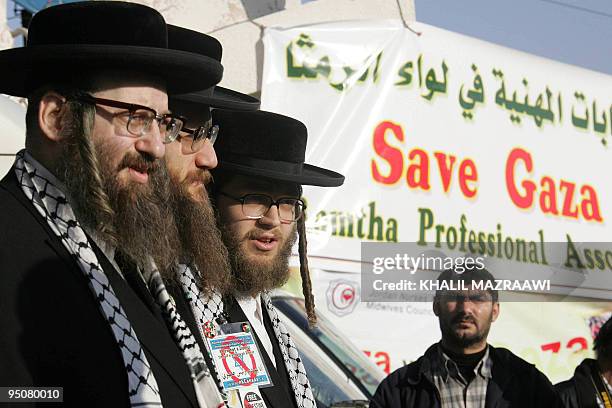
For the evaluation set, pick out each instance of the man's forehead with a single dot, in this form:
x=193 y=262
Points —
x=125 y=82
x=246 y=185
x=141 y=91
x=113 y=78
x=465 y=293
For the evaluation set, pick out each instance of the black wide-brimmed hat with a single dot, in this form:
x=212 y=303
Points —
x=180 y=38
x=70 y=39
x=268 y=145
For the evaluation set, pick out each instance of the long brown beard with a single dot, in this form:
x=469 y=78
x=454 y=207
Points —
x=201 y=239
x=136 y=219
x=251 y=277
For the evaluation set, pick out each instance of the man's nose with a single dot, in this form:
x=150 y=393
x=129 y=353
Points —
x=206 y=157
x=466 y=305
x=151 y=143
x=271 y=217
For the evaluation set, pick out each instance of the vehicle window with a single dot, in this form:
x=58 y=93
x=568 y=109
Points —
x=336 y=344
x=329 y=383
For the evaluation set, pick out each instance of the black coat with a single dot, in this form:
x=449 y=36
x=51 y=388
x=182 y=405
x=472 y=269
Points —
x=514 y=383
x=52 y=332
x=579 y=391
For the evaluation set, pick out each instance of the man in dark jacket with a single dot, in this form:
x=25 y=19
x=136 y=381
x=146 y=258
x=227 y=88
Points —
x=590 y=385
x=82 y=225
x=258 y=188
x=462 y=370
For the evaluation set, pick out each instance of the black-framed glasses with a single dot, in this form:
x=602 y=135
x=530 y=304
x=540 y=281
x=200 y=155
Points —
x=140 y=118
x=256 y=206
x=197 y=138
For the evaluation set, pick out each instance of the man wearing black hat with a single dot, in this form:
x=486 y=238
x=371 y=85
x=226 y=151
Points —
x=85 y=216
x=462 y=370
x=257 y=192
x=204 y=270
x=189 y=160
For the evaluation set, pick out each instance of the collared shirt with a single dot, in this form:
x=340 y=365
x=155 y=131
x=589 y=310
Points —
x=251 y=306
x=455 y=391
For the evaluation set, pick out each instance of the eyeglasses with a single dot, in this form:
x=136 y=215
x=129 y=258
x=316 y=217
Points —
x=255 y=206
x=197 y=137
x=140 y=118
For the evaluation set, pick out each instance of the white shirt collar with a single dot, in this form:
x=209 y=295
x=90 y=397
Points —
x=251 y=306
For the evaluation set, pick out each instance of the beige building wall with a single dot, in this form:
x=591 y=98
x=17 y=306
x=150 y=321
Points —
x=240 y=24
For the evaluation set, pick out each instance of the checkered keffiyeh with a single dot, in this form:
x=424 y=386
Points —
x=293 y=362
x=209 y=309
x=206 y=389
x=205 y=310
x=454 y=390
x=52 y=205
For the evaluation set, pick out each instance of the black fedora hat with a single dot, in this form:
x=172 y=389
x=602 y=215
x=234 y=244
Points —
x=73 y=38
x=180 y=38
x=268 y=145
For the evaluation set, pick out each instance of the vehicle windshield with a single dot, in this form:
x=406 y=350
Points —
x=330 y=384
x=328 y=337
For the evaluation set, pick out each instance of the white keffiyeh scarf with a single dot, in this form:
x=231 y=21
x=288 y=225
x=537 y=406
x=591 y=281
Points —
x=52 y=204
x=210 y=309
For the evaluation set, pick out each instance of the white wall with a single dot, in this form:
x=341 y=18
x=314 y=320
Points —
x=12 y=132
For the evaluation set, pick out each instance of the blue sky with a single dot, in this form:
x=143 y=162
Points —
x=577 y=32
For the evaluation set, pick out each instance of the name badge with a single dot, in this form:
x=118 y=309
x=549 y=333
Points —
x=238 y=360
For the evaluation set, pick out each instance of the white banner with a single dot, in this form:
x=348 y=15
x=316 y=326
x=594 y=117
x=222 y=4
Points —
x=456 y=144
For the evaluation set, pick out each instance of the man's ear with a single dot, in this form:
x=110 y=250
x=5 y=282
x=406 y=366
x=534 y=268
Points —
x=52 y=109
x=495 y=311
x=436 y=306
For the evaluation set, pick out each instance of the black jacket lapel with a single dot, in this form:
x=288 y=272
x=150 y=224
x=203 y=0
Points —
x=154 y=336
